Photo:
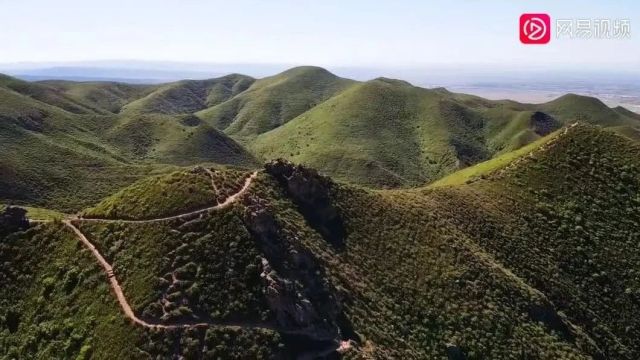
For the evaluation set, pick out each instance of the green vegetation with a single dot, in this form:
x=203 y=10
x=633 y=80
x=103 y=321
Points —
x=202 y=270
x=57 y=159
x=34 y=213
x=564 y=220
x=189 y=96
x=354 y=136
x=167 y=195
x=536 y=257
x=181 y=140
x=56 y=303
x=273 y=101
x=529 y=251
x=68 y=144
x=482 y=169
x=589 y=110
x=103 y=97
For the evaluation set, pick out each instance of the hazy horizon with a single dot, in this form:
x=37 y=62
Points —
x=402 y=34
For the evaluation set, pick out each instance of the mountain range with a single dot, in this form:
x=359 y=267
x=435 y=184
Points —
x=532 y=255
x=307 y=216
x=381 y=133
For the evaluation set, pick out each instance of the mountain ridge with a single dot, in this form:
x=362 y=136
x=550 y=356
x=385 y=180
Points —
x=347 y=129
x=522 y=260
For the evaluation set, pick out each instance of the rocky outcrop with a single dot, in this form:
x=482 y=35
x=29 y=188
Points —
x=13 y=219
x=543 y=124
x=307 y=309
x=311 y=193
x=454 y=352
x=544 y=312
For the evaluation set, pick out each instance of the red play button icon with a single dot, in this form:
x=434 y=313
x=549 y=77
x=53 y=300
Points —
x=535 y=28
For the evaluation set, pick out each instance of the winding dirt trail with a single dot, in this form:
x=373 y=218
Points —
x=126 y=307
x=213 y=182
x=115 y=285
x=226 y=203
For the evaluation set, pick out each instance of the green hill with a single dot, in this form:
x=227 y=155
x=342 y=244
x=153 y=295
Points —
x=52 y=158
x=589 y=110
x=180 y=140
x=388 y=133
x=45 y=94
x=107 y=97
x=383 y=133
x=537 y=259
x=272 y=101
x=356 y=135
x=55 y=158
x=563 y=219
x=189 y=96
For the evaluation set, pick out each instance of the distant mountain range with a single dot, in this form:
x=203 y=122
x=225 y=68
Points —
x=379 y=133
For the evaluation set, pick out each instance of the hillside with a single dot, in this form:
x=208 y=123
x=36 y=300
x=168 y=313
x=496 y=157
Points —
x=273 y=101
x=189 y=96
x=45 y=94
x=388 y=133
x=354 y=136
x=589 y=110
x=52 y=157
x=179 y=140
x=564 y=219
x=536 y=257
x=108 y=97
x=68 y=144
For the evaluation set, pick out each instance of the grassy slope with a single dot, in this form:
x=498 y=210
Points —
x=396 y=308
x=272 y=101
x=108 y=97
x=61 y=160
x=565 y=221
x=354 y=136
x=522 y=262
x=180 y=140
x=189 y=96
x=589 y=110
x=483 y=169
x=413 y=284
x=66 y=310
x=53 y=158
x=214 y=259
x=167 y=195
x=65 y=306
x=46 y=94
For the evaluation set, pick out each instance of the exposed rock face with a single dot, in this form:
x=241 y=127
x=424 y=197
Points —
x=307 y=311
x=190 y=120
x=13 y=219
x=454 y=352
x=546 y=313
x=543 y=124
x=32 y=121
x=311 y=193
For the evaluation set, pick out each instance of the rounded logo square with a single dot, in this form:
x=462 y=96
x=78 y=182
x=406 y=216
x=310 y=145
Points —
x=535 y=28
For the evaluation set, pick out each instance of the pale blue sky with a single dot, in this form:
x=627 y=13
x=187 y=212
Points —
x=322 y=32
